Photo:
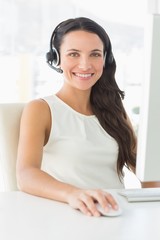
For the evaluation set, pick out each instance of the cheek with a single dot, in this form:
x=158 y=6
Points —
x=99 y=63
x=99 y=66
x=66 y=64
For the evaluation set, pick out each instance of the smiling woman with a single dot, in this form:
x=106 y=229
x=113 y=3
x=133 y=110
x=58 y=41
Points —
x=76 y=142
x=24 y=73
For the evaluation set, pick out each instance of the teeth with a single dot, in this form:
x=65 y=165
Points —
x=83 y=75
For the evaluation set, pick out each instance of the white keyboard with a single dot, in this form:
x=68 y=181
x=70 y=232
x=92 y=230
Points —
x=141 y=194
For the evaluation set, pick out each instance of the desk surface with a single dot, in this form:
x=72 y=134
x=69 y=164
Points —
x=26 y=217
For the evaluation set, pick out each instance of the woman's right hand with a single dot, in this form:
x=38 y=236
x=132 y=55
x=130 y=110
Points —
x=85 y=201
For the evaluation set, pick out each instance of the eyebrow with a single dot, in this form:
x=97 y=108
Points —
x=76 y=50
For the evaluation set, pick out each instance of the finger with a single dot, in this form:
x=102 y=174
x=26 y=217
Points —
x=111 y=201
x=83 y=208
x=89 y=202
x=105 y=199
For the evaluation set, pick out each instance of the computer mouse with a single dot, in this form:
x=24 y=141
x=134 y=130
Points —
x=111 y=212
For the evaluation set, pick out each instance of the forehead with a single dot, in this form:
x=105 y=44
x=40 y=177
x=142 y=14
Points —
x=81 y=39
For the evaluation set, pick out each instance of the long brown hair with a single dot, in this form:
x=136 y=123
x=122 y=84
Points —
x=106 y=100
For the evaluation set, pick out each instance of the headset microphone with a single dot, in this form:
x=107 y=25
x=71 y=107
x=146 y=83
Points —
x=59 y=70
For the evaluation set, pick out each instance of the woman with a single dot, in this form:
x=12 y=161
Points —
x=76 y=142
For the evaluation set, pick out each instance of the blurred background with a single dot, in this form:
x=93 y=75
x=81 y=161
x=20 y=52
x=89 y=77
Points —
x=26 y=27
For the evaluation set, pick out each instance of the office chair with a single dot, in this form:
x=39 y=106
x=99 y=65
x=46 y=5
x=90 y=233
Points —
x=10 y=114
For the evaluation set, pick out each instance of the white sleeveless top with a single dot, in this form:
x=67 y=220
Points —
x=79 y=151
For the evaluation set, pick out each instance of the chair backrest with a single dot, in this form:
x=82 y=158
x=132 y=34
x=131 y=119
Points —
x=10 y=114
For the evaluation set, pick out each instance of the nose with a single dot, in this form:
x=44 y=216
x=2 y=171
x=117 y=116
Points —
x=84 y=63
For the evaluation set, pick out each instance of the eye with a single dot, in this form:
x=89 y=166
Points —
x=73 y=54
x=96 y=54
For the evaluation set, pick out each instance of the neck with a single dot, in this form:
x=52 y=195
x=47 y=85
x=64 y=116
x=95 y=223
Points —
x=78 y=100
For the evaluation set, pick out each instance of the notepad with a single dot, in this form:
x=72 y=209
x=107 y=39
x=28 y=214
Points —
x=141 y=194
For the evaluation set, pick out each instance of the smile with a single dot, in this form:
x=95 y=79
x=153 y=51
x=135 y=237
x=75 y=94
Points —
x=83 y=75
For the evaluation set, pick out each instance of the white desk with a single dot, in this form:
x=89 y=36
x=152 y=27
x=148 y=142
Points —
x=26 y=217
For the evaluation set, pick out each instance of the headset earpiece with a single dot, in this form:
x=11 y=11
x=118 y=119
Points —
x=53 y=60
x=49 y=56
x=53 y=57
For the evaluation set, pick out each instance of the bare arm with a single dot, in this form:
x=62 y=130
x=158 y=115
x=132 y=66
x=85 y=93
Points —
x=34 y=134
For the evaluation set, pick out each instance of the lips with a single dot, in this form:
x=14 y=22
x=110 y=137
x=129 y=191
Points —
x=82 y=75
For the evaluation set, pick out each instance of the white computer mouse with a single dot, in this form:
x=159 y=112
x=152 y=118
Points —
x=110 y=213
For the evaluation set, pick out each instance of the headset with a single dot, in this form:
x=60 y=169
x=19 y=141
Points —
x=53 y=58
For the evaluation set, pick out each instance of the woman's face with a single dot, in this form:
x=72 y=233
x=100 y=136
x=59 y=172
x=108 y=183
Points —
x=81 y=59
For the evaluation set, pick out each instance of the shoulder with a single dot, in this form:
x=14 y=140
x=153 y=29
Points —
x=36 y=112
x=36 y=107
x=36 y=120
